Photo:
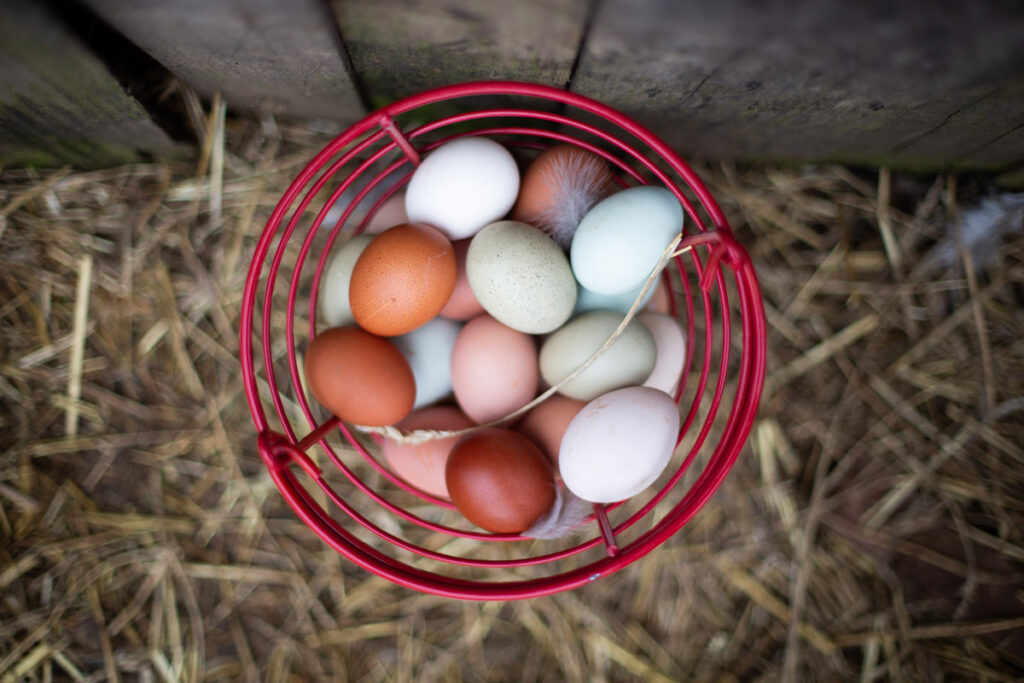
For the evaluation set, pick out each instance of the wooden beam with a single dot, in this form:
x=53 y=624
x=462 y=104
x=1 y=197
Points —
x=876 y=82
x=280 y=56
x=400 y=47
x=59 y=104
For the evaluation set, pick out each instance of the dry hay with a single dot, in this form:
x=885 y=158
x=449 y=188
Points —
x=871 y=530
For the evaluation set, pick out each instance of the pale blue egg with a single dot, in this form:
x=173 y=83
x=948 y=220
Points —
x=429 y=352
x=619 y=241
x=591 y=301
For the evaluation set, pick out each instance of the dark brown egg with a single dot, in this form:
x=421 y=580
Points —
x=359 y=377
x=402 y=279
x=500 y=480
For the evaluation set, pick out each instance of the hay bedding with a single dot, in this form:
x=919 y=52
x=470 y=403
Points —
x=870 y=531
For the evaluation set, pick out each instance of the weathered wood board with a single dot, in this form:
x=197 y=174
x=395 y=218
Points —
x=399 y=47
x=877 y=82
x=58 y=103
x=281 y=56
x=911 y=85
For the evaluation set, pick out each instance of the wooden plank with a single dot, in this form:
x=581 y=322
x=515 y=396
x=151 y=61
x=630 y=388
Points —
x=279 y=55
x=876 y=82
x=399 y=47
x=58 y=103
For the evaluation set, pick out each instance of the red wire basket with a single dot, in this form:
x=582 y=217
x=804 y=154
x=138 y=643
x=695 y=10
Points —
x=342 y=491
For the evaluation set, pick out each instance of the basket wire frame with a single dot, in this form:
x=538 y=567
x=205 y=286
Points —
x=714 y=274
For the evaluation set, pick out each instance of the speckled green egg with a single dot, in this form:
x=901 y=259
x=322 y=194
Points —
x=521 y=277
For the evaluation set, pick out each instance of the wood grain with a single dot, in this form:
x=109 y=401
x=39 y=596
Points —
x=873 y=82
x=399 y=47
x=261 y=54
x=58 y=103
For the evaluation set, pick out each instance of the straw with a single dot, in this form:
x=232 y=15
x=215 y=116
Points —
x=162 y=508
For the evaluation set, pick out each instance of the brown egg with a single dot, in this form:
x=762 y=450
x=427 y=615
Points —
x=559 y=187
x=402 y=279
x=500 y=480
x=359 y=377
x=462 y=304
x=422 y=464
x=546 y=424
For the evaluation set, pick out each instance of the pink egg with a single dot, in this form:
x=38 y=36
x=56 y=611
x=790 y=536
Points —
x=462 y=304
x=670 y=341
x=662 y=298
x=422 y=464
x=390 y=214
x=494 y=369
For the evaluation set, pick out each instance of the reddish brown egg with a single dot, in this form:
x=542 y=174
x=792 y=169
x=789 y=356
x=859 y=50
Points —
x=359 y=377
x=402 y=279
x=500 y=480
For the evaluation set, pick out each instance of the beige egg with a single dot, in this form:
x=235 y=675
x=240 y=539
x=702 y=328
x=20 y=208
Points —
x=333 y=295
x=628 y=361
x=521 y=277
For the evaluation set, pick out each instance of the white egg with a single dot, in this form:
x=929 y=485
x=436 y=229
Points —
x=429 y=352
x=462 y=186
x=592 y=301
x=333 y=295
x=629 y=360
x=671 y=343
x=619 y=241
x=521 y=277
x=619 y=444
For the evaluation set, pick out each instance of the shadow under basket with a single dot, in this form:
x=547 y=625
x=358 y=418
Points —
x=332 y=475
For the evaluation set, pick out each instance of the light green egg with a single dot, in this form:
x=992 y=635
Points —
x=521 y=277
x=629 y=360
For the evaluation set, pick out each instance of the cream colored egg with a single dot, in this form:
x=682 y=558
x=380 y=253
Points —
x=521 y=277
x=629 y=360
x=334 y=306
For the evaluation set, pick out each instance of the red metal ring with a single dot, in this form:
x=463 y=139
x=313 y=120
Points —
x=281 y=270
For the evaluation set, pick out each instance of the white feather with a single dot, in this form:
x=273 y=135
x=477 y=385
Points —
x=578 y=182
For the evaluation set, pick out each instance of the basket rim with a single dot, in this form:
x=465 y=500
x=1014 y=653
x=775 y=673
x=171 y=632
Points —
x=279 y=457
